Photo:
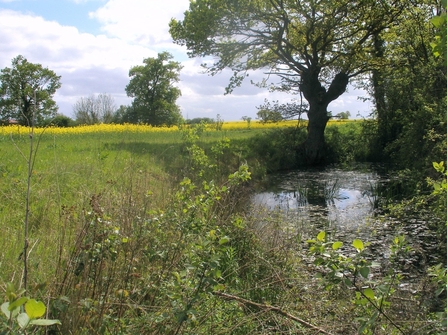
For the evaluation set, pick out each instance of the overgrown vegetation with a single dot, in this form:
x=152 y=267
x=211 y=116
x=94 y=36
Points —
x=131 y=229
x=131 y=232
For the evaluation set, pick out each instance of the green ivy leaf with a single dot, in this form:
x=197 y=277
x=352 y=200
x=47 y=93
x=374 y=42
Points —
x=35 y=309
x=358 y=244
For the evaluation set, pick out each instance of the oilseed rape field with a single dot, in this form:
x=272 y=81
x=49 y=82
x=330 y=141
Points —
x=142 y=128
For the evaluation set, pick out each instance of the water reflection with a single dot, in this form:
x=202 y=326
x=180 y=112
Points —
x=340 y=198
x=343 y=203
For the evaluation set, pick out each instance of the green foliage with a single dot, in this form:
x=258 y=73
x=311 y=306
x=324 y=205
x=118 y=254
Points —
x=346 y=143
x=275 y=111
x=315 y=47
x=151 y=86
x=219 y=122
x=59 y=121
x=22 y=313
x=439 y=45
x=276 y=149
x=269 y=116
x=127 y=249
x=26 y=86
x=408 y=108
x=438 y=275
x=343 y=115
x=372 y=294
x=248 y=120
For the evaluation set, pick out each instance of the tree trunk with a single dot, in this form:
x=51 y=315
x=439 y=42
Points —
x=314 y=146
x=319 y=98
x=379 y=94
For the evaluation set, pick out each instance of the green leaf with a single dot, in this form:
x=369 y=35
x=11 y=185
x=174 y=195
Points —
x=321 y=236
x=35 y=309
x=375 y=264
x=5 y=309
x=219 y=287
x=439 y=166
x=358 y=244
x=369 y=293
x=17 y=303
x=364 y=272
x=337 y=245
x=23 y=320
x=437 y=21
x=224 y=240
x=44 y=322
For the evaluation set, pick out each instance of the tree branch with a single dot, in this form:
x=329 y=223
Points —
x=271 y=308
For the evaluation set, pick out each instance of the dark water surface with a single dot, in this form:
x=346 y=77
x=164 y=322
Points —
x=345 y=202
x=343 y=199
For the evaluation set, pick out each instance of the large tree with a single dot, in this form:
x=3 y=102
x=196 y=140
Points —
x=26 y=86
x=152 y=87
x=314 y=46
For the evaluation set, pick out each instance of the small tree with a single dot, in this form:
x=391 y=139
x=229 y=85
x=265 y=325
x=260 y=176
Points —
x=248 y=120
x=25 y=88
x=92 y=110
x=266 y=115
x=343 y=115
x=151 y=86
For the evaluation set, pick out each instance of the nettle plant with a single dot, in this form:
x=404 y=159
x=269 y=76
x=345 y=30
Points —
x=22 y=312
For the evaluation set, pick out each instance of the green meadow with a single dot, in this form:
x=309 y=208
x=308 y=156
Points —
x=150 y=232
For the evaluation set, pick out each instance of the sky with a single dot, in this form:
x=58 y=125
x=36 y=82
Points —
x=92 y=44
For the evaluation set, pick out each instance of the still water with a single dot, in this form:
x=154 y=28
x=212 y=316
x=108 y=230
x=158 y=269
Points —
x=341 y=199
x=344 y=202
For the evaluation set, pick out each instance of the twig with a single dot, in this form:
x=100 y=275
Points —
x=271 y=308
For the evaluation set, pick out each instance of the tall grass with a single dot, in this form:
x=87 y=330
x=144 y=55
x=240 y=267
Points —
x=122 y=243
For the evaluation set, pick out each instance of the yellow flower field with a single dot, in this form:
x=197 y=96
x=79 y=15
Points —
x=140 y=128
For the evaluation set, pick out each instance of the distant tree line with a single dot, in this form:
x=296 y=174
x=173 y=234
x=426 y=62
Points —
x=27 y=90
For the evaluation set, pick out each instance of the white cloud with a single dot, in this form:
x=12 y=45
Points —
x=133 y=30
x=63 y=47
x=139 y=21
x=88 y=64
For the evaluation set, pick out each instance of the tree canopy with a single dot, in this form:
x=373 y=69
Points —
x=26 y=86
x=314 y=47
x=152 y=87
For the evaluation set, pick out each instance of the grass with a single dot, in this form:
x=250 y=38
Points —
x=120 y=243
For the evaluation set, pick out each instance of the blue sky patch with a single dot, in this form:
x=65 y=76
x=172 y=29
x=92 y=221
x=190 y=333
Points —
x=64 y=12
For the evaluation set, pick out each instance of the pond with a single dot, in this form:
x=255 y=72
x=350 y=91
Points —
x=346 y=203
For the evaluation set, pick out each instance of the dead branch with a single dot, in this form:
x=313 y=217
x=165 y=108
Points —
x=271 y=308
